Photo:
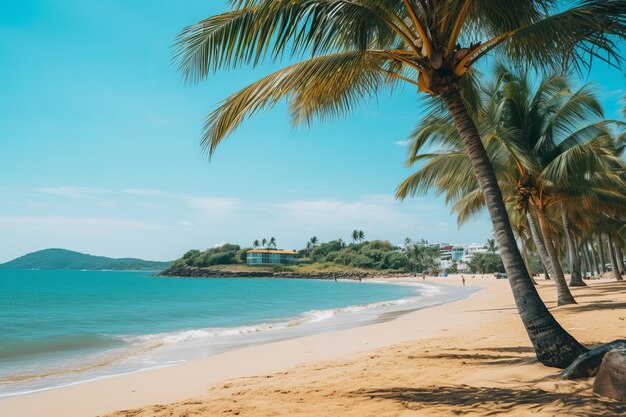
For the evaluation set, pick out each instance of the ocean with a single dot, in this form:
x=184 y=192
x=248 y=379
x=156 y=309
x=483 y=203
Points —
x=59 y=328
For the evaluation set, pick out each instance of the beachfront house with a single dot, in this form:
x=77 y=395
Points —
x=460 y=255
x=271 y=257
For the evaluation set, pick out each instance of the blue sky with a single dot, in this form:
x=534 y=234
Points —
x=99 y=145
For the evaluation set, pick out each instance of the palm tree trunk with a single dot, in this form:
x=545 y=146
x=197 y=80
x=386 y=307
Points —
x=527 y=260
x=588 y=259
x=564 y=296
x=578 y=257
x=614 y=266
x=620 y=259
x=553 y=345
x=602 y=257
x=585 y=254
x=541 y=248
x=594 y=262
x=576 y=279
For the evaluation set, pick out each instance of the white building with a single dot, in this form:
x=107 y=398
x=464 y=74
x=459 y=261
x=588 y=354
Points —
x=459 y=254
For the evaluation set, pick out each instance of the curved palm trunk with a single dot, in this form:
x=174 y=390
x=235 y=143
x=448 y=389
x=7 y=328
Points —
x=553 y=345
x=576 y=279
x=602 y=257
x=564 y=296
x=614 y=265
x=541 y=248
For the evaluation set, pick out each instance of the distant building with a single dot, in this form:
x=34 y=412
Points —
x=460 y=255
x=271 y=257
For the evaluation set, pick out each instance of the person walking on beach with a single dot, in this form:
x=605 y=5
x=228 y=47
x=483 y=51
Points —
x=463 y=280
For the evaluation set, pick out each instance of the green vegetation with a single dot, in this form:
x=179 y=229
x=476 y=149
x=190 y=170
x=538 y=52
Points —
x=483 y=263
x=377 y=254
x=227 y=254
x=70 y=260
x=332 y=256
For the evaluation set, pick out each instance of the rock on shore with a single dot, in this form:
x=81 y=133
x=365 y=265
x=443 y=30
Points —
x=196 y=272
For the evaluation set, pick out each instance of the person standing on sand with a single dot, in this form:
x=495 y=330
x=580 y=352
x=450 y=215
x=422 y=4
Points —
x=463 y=280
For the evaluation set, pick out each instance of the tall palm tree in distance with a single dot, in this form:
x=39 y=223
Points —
x=356 y=48
x=361 y=236
x=264 y=243
x=355 y=235
x=255 y=244
x=491 y=245
x=272 y=243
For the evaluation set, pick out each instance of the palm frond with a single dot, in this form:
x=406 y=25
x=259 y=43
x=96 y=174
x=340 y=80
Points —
x=324 y=86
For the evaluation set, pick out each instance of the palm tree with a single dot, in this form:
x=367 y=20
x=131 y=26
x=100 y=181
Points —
x=520 y=142
x=255 y=244
x=355 y=235
x=491 y=245
x=542 y=143
x=361 y=236
x=358 y=47
x=264 y=243
x=272 y=243
x=314 y=240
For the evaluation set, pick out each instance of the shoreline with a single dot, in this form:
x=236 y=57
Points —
x=209 y=272
x=20 y=403
x=225 y=339
x=469 y=357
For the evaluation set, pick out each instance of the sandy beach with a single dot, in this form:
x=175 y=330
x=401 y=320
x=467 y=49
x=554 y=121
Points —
x=470 y=357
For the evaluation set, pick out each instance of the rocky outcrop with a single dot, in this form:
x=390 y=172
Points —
x=611 y=379
x=587 y=364
x=195 y=272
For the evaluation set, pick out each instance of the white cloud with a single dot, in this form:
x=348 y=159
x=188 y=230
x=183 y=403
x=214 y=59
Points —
x=69 y=191
x=141 y=191
x=72 y=225
x=213 y=205
x=185 y=223
x=442 y=224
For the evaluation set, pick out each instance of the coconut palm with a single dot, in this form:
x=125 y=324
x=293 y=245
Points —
x=264 y=243
x=491 y=245
x=355 y=236
x=272 y=243
x=361 y=236
x=356 y=48
x=255 y=244
x=314 y=241
x=543 y=136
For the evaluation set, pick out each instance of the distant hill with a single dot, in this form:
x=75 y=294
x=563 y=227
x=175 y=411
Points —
x=67 y=259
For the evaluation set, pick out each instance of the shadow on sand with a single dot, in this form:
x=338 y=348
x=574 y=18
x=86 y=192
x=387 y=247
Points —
x=484 y=401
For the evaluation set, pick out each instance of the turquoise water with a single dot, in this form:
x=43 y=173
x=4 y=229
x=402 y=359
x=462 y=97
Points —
x=57 y=327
